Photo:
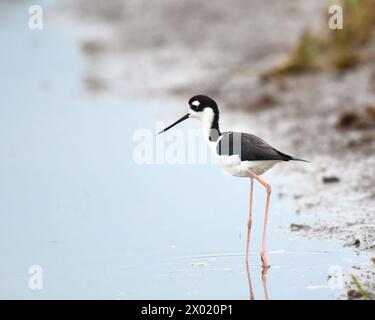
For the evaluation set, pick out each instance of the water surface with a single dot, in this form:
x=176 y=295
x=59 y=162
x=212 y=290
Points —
x=73 y=201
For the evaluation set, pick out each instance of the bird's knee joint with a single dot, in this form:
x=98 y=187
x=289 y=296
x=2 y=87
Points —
x=268 y=188
x=249 y=223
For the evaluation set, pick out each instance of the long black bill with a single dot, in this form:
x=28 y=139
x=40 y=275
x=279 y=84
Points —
x=173 y=124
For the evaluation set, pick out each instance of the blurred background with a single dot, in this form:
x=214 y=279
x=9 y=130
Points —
x=74 y=202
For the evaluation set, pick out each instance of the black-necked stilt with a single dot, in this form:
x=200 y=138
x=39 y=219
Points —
x=240 y=154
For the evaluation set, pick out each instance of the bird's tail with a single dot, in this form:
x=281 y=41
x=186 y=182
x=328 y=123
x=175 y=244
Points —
x=297 y=159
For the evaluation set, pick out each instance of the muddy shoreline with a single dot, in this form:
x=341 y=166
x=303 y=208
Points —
x=191 y=47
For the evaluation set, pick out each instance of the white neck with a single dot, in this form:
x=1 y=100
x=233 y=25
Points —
x=207 y=118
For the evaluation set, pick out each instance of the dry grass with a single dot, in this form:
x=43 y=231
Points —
x=344 y=45
x=359 y=292
x=333 y=49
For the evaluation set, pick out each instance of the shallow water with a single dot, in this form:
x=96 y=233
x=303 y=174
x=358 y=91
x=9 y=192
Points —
x=73 y=201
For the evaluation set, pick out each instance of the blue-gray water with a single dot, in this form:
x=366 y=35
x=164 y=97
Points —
x=73 y=201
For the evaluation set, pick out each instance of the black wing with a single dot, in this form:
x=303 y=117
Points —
x=248 y=147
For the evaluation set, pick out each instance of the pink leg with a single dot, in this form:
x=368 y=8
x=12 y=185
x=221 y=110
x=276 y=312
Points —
x=251 y=292
x=268 y=189
x=264 y=282
x=263 y=253
x=249 y=221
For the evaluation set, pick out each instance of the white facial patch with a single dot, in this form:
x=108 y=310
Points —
x=196 y=103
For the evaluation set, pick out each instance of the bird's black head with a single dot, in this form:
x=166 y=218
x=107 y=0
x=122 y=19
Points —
x=205 y=109
x=200 y=102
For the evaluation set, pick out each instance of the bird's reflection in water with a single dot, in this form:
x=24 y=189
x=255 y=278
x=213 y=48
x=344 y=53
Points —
x=264 y=282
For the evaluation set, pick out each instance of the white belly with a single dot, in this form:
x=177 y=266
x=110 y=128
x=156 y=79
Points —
x=235 y=167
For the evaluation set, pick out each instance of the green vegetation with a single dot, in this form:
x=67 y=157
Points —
x=343 y=46
x=333 y=49
x=359 y=288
